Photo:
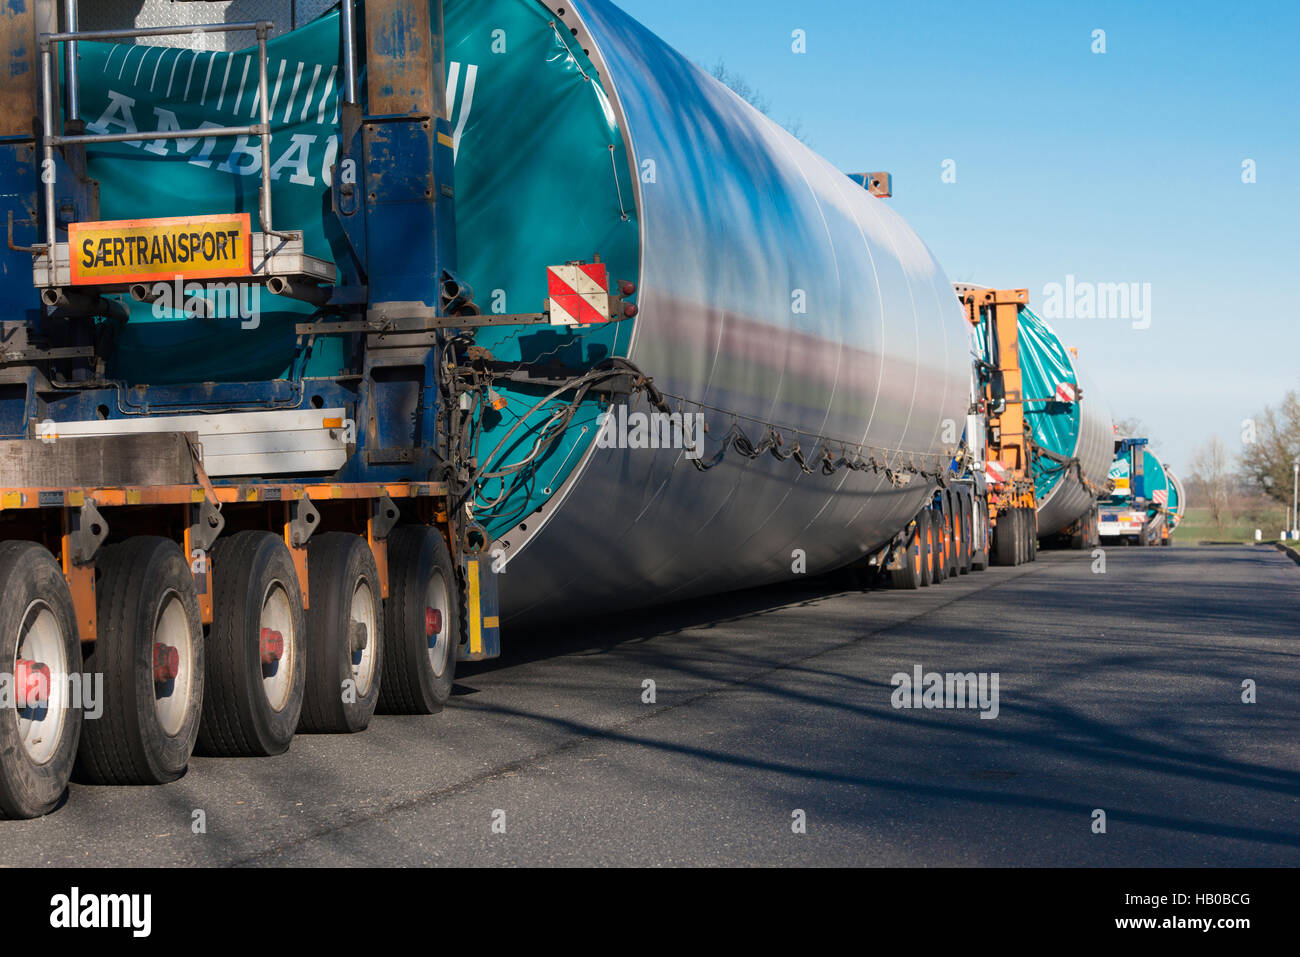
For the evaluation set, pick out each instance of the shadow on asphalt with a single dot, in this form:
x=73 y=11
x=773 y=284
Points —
x=1169 y=769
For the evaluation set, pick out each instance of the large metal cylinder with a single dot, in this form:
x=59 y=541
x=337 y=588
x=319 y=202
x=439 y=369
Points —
x=772 y=287
x=1074 y=434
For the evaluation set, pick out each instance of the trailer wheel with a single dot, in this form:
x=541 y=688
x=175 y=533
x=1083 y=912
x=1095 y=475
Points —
x=911 y=575
x=1031 y=535
x=979 y=559
x=938 y=547
x=39 y=649
x=925 y=522
x=150 y=651
x=422 y=620
x=1006 y=538
x=346 y=625
x=963 y=535
x=255 y=655
x=954 y=536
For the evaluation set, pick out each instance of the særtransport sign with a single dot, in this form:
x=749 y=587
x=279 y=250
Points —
x=147 y=250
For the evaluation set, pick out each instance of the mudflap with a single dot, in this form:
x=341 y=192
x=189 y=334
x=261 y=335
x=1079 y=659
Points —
x=481 y=637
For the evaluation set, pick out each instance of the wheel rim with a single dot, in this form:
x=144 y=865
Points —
x=41 y=640
x=277 y=617
x=171 y=630
x=437 y=598
x=363 y=614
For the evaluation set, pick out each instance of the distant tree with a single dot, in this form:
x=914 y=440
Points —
x=742 y=88
x=1213 y=476
x=1271 y=446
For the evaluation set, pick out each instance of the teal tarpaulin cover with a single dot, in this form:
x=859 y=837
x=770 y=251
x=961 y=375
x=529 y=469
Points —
x=542 y=178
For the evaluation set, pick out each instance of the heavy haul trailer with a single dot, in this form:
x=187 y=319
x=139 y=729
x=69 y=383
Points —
x=955 y=532
x=994 y=315
x=1145 y=504
x=987 y=509
x=829 y=418
x=236 y=561
x=1066 y=428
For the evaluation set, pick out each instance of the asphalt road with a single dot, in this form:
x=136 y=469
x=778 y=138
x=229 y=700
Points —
x=1118 y=691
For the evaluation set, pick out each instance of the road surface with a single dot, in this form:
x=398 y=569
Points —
x=1118 y=692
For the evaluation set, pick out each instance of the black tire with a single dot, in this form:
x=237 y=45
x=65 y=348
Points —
x=342 y=574
x=253 y=578
x=34 y=595
x=1031 y=534
x=911 y=576
x=1079 y=537
x=1006 y=538
x=965 y=524
x=417 y=679
x=938 y=549
x=954 y=524
x=927 y=547
x=145 y=595
x=979 y=559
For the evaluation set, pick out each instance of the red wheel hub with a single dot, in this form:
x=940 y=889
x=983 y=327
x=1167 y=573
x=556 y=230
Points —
x=166 y=663
x=33 y=682
x=272 y=646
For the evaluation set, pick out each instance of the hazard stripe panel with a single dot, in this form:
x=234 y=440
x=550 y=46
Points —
x=579 y=294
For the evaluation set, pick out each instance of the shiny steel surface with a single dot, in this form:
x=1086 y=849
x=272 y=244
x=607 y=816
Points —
x=738 y=224
x=1095 y=450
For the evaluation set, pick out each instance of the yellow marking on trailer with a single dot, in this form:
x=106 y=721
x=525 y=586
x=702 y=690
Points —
x=492 y=621
x=77 y=498
x=197 y=495
x=12 y=500
x=148 y=250
x=446 y=141
x=475 y=610
x=133 y=496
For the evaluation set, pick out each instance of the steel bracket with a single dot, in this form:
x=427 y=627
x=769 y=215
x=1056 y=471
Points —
x=87 y=533
x=208 y=523
x=304 y=520
x=383 y=516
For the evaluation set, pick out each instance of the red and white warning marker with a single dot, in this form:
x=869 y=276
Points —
x=998 y=474
x=578 y=294
x=1067 y=392
x=1160 y=496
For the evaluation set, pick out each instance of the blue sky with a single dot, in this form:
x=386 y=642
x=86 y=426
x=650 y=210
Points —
x=1117 y=167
